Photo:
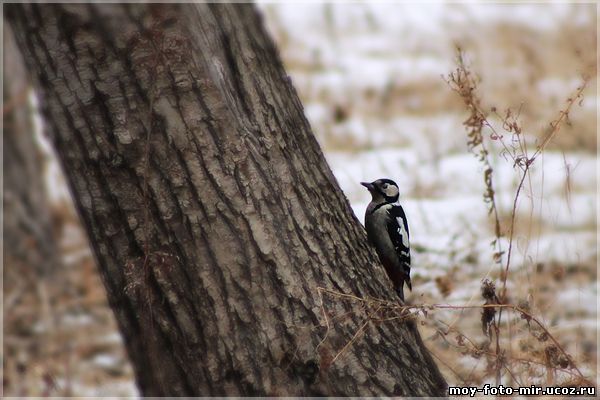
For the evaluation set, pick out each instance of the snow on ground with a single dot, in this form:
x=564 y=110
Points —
x=443 y=198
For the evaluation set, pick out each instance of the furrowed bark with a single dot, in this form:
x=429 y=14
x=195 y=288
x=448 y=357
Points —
x=212 y=212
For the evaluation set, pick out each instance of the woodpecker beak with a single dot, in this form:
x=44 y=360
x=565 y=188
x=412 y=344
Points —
x=368 y=185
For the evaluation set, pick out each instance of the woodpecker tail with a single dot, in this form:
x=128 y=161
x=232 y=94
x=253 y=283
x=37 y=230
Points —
x=400 y=288
x=400 y=292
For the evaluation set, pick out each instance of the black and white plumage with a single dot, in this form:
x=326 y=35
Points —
x=387 y=230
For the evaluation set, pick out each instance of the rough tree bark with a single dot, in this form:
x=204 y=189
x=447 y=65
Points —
x=212 y=212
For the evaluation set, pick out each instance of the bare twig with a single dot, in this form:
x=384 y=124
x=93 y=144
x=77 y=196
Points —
x=463 y=82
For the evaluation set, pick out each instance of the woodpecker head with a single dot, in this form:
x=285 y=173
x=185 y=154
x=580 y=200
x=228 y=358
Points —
x=383 y=190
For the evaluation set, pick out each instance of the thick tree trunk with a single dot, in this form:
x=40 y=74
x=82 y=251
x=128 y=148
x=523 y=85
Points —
x=212 y=212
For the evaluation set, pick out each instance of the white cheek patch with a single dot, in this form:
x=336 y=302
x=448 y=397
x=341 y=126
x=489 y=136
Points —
x=391 y=191
x=403 y=233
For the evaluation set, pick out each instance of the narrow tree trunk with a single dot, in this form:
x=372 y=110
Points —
x=213 y=215
x=29 y=243
x=30 y=252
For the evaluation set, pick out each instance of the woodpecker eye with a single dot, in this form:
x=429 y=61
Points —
x=385 y=186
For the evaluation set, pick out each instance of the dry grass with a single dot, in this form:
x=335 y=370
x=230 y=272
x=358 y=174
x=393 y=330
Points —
x=518 y=64
x=463 y=82
x=542 y=359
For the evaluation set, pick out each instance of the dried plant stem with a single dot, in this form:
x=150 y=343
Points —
x=462 y=81
x=527 y=162
x=407 y=311
x=562 y=117
x=360 y=330
x=515 y=308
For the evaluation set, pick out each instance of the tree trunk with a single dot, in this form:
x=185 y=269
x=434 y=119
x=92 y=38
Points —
x=29 y=246
x=30 y=252
x=214 y=217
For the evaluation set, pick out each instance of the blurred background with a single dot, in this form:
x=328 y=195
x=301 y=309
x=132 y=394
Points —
x=371 y=78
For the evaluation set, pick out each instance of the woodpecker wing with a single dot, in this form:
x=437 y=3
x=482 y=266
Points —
x=398 y=230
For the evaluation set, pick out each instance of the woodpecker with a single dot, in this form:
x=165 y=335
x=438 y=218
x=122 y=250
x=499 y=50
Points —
x=387 y=230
